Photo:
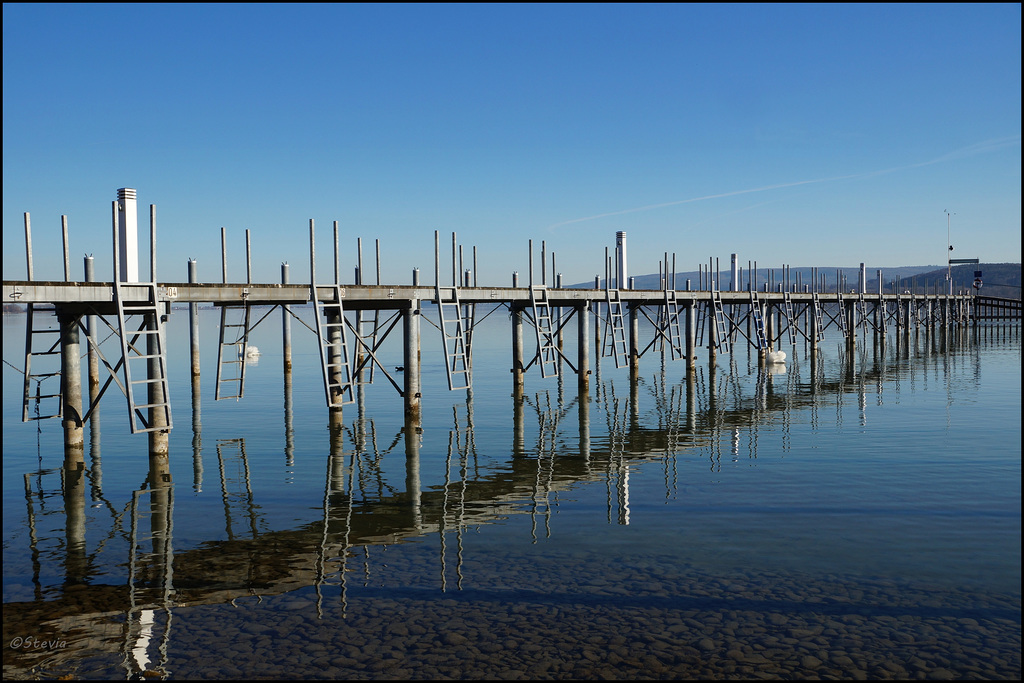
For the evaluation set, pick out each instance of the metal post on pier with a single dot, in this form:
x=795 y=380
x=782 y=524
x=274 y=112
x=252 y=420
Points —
x=28 y=246
x=67 y=256
x=223 y=256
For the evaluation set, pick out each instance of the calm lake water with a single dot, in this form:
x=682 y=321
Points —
x=843 y=517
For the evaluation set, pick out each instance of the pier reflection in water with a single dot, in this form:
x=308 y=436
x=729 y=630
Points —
x=738 y=520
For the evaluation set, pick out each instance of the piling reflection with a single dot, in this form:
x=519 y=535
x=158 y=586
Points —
x=126 y=604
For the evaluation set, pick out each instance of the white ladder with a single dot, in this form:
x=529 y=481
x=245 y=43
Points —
x=787 y=300
x=49 y=353
x=457 y=360
x=547 y=352
x=818 y=326
x=133 y=351
x=232 y=349
x=670 y=325
x=334 y=359
x=757 y=315
x=721 y=322
x=614 y=343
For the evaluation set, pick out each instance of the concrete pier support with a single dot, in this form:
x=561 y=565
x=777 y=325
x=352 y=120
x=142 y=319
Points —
x=812 y=324
x=71 y=385
x=518 y=371
x=286 y=325
x=851 y=325
x=583 y=349
x=411 y=359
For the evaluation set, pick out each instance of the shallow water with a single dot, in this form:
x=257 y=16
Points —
x=843 y=517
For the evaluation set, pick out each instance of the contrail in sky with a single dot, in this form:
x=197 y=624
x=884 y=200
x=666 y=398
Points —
x=978 y=148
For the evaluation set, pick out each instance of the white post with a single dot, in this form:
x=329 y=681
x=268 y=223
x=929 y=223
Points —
x=127 y=235
x=620 y=250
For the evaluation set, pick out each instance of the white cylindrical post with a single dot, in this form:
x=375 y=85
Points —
x=127 y=235
x=620 y=250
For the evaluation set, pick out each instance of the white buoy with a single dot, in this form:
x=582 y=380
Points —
x=250 y=351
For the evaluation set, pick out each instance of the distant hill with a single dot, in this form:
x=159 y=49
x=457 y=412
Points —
x=998 y=279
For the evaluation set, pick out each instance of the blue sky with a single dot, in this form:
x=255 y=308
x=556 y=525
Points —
x=808 y=135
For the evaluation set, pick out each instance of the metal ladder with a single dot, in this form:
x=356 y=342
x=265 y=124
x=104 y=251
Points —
x=150 y=330
x=547 y=352
x=334 y=359
x=862 y=311
x=843 y=327
x=670 y=325
x=457 y=359
x=231 y=351
x=787 y=301
x=757 y=315
x=818 y=326
x=701 y=312
x=47 y=356
x=721 y=322
x=614 y=341
x=369 y=340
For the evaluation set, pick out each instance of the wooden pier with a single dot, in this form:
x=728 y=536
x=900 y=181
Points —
x=350 y=326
